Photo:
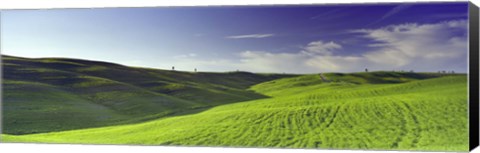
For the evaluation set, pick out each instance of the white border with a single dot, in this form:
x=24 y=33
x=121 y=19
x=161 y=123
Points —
x=70 y=148
x=62 y=148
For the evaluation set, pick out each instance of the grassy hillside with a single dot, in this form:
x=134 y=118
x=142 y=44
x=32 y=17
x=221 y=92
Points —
x=400 y=111
x=54 y=94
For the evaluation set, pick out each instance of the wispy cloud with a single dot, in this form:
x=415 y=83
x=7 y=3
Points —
x=409 y=46
x=392 y=12
x=329 y=14
x=395 y=10
x=304 y=61
x=250 y=36
x=185 y=55
x=421 y=46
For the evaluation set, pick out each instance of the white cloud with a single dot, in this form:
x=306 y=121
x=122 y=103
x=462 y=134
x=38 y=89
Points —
x=319 y=47
x=335 y=63
x=261 y=61
x=410 y=46
x=316 y=56
x=250 y=36
x=299 y=62
x=418 y=46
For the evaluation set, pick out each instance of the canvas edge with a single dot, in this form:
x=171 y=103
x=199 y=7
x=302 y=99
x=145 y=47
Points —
x=473 y=76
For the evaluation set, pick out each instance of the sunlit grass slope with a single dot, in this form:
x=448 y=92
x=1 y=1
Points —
x=351 y=111
x=56 y=94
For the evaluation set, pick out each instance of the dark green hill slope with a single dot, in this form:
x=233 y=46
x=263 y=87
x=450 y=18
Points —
x=55 y=94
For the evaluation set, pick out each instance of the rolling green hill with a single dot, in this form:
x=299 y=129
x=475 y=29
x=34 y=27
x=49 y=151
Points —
x=55 y=94
x=376 y=110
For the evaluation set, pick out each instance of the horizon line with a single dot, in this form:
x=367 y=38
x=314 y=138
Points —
x=238 y=70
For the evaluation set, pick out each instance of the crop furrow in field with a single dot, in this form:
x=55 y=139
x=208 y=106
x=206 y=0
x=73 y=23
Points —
x=415 y=130
x=402 y=127
x=333 y=117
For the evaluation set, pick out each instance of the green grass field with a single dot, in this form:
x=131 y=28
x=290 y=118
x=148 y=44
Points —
x=375 y=110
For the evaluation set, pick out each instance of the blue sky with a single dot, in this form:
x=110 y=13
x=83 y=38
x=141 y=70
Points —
x=291 y=39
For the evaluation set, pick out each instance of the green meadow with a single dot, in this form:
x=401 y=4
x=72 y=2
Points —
x=78 y=101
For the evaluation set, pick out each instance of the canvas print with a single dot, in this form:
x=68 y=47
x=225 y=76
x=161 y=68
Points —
x=379 y=76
